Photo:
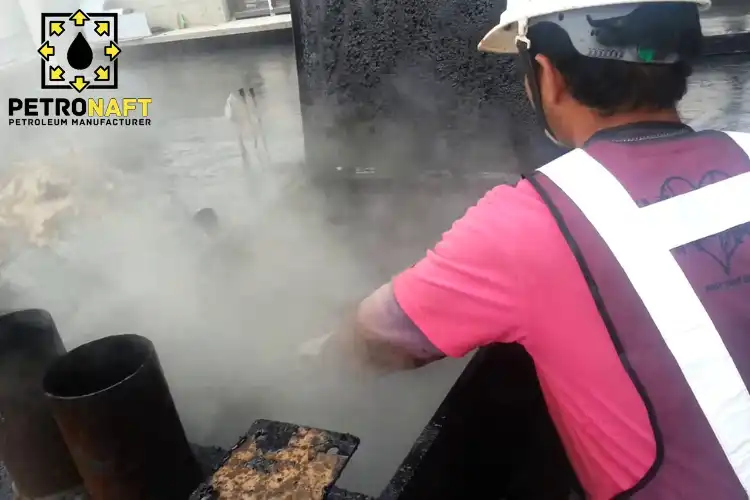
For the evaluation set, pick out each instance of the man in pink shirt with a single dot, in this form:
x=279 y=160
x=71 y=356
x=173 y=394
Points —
x=623 y=268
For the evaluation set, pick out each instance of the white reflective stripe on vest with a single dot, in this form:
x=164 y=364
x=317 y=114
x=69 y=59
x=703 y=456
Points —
x=641 y=240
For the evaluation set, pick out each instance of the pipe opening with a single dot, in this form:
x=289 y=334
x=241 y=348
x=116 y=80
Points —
x=97 y=366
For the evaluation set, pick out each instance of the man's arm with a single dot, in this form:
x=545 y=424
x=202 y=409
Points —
x=462 y=295
x=378 y=338
x=386 y=338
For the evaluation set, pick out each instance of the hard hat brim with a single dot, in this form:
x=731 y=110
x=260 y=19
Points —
x=500 y=40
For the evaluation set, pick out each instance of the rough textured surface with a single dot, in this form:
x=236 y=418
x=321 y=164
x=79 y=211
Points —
x=398 y=88
x=280 y=461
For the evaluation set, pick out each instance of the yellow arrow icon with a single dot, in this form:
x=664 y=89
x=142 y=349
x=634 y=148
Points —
x=112 y=50
x=102 y=74
x=79 y=18
x=56 y=74
x=102 y=28
x=46 y=50
x=79 y=83
x=56 y=27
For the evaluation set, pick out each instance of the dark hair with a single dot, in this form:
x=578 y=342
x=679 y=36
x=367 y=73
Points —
x=612 y=86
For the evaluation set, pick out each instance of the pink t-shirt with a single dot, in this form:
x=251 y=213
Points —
x=504 y=273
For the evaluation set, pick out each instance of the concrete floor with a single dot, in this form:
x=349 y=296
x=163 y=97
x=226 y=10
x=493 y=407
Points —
x=228 y=333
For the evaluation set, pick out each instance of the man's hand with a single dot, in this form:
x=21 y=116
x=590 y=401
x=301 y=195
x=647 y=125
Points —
x=313 y=348
x=379 y=339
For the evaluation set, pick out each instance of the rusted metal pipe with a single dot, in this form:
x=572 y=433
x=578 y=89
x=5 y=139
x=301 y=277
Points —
x=113 y=405
x=31 y=446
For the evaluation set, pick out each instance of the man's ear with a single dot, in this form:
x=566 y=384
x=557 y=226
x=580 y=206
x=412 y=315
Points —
x=551 y=82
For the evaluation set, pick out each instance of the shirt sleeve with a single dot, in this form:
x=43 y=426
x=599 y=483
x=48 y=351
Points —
x=465 y=293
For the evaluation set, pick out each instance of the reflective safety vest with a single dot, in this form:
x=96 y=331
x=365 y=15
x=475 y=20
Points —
x=665 y=250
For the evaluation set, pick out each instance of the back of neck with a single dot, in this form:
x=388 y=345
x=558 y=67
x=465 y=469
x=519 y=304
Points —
x=599 y=123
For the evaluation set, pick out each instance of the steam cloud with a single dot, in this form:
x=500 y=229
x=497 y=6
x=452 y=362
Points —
x=97 y=228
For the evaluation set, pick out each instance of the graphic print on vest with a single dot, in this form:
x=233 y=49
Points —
x=721 y=248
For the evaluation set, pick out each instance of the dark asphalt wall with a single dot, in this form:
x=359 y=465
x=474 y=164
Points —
x=398 y=88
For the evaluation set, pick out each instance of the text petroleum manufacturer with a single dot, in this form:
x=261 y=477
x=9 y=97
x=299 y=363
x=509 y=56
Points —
x=57 y=111
x=79 y=52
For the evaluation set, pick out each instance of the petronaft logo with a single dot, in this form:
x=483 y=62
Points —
x=79 y=52
x=67 y=51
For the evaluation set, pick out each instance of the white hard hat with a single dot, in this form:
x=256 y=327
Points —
x=502 y=38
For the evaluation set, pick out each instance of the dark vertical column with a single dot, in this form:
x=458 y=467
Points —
x=113 y=405
x=398 y=89
x=31 y=446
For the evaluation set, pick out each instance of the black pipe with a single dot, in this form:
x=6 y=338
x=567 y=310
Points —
x=113 y=405
x=31 y=446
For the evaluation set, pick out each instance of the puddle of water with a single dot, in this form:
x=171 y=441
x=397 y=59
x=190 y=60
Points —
x=717 y=94
x=725 y=18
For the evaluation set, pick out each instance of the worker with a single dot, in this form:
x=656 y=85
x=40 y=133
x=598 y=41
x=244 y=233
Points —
x=623 y=267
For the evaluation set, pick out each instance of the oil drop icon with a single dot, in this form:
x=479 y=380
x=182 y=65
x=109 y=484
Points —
x=80 y=54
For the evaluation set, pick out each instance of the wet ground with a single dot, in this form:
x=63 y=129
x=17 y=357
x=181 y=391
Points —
x=228 y=329
x=730 y=16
